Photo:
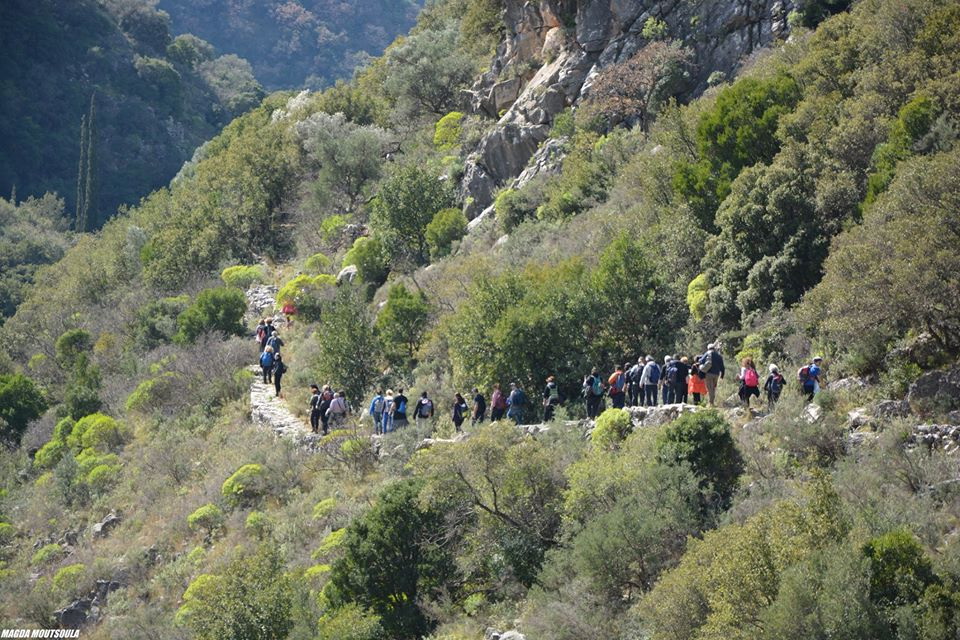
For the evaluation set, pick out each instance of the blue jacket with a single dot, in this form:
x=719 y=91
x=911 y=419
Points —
x=266 y=359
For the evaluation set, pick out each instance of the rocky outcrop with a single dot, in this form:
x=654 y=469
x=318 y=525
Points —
x=103 y=528
x=493 y=634
x=936 y=391
x=553 y=48
x=937 y=436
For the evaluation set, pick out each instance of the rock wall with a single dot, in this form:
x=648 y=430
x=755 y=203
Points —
x=553 y=48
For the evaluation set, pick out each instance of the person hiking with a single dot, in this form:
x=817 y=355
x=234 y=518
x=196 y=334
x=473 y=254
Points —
x=261 y=334
x=809 y=378
x=680 y=382
x=551 y=398
x=279 y=368
x=636 y=389
x=389 y=407
x=376 y=411
x=618 y=387
x=498 y=403
x=749 y=381
x=773 y=386
x=664 y=386
x=266 y=363
x=593 y=393
x=515 y=403
x=424 y=409
x=337 y=411
x=479 y=407
x=275 y=341
x=459 y=411
x=267 y=332
x=315 y=399
x=399 y=409
x=326 y=397
x=696 y=384
x=648 y=380
x=711 y=364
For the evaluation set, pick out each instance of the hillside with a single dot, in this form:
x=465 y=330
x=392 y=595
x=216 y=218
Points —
x=296 y=43
x=780 y=181
x=152 y=100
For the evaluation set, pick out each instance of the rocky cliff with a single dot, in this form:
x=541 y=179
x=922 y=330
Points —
x=553 y=48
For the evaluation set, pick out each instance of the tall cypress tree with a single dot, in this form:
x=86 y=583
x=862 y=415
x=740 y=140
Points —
x=86 y=178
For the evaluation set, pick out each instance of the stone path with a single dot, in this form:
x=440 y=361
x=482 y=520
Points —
x=267 y=410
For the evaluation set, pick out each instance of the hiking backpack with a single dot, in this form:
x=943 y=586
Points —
x=654 y=376
x=707 y=363
x=595 y=387
x=776 y=384
x=672 y=374
x=377 y=406
x=803 y=374
x=750 y=378
x=425 y=407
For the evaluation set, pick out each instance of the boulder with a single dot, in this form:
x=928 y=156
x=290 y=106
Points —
x=812 y=413
x=74 y=615
x=936 y=391
x=504 y=94
x=889 y=409
x=103 y=528
x=857 y=418
x=847 y=384
x=347 y=274
x=493 y=634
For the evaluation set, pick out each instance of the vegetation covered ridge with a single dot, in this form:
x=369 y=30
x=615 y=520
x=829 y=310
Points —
x=805 y=207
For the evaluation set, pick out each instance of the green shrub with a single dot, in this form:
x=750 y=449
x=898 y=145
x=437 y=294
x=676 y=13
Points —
x=307 y=294
x=448 y=226
x=703 y=441
x=371 y=259
x=47 y=554
x=900 y=569
x=208 y=518
x=71 y=344
x=49 y=454
x=253 y=598
x=259 y=524
x=88 y=459
x=150 y=393
x=102 y=478
x=67 y=579
x=218 y=309
x=446 y=135
x=611 y=429
x=349 y=622
x=156 y=322
x=98 y=432
x=697 y=297
x=401 y=323
x=241 y=276
x=246 y=485
x=512 y=207
x=332 y=228
x=317 y=263
x=324 y=508
x=7 y=533
x=21 y=402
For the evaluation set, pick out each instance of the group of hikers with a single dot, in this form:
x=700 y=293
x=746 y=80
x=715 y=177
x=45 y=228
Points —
x=680 y=379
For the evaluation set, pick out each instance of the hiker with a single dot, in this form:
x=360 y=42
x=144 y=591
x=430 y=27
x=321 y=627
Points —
x=326 y=397
x=711 y=364
x=399 y=409
x=389 y=407
x=636 y=389
x=593 y=393
x=680 y=380
x=749 y=381
x=459 y=411
x=266 y=363
x=498 y=403
x=479 y=407
x=551 y=398
x=664 y=385
x=267 y=332
x=289 y=310
x=697 y=386
x=773 y=386
x=648 y=380
x=337 y=411
x=809 y=378
x=376 y=411
x=424 y=409
x=315 y=408
x=261 y=334
x=275 y=341
x=618 y=387
x=279 y=368
x=515 y=403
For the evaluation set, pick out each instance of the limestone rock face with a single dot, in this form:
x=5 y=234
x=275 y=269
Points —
x=552 y=48
x=936 y=390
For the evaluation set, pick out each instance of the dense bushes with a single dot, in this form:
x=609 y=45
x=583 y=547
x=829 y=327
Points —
x=213 y=310
x=20 y=402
